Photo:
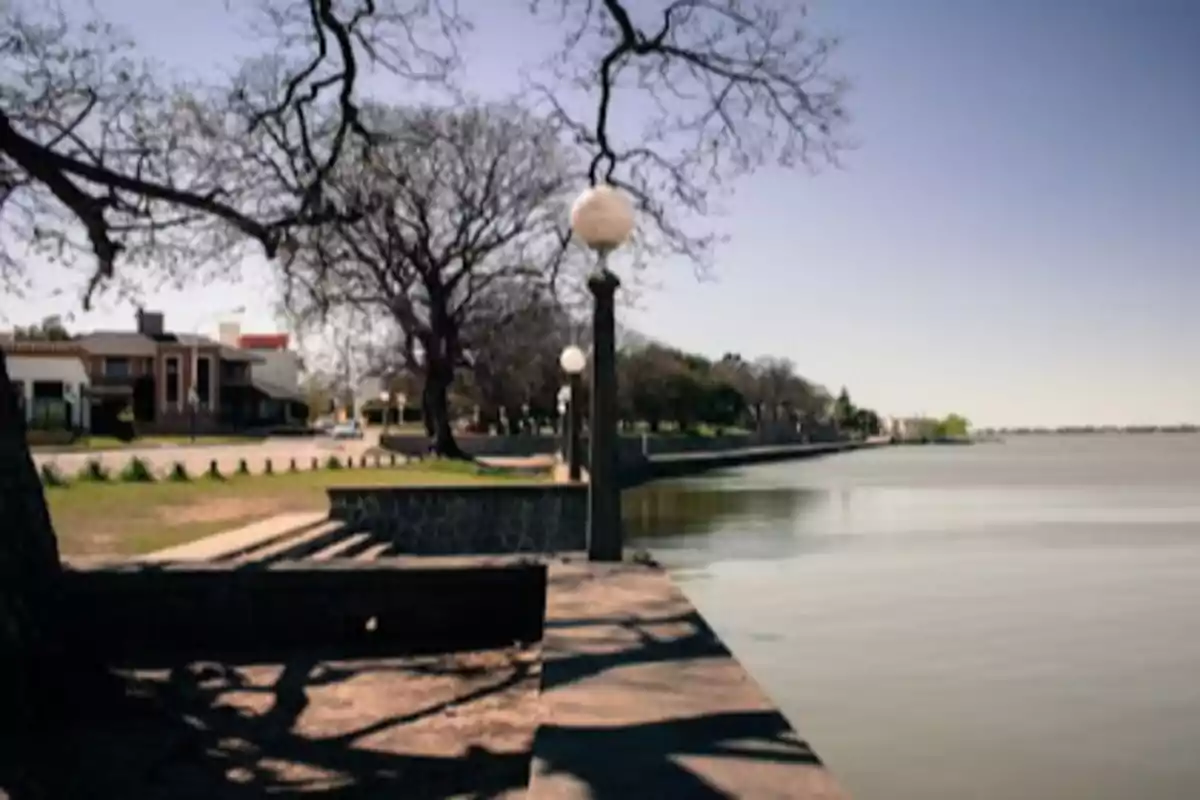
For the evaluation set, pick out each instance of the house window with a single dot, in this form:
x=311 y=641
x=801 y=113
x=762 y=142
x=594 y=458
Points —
x=204 y=383
x=49 y=409
x=117 y=368
x=172 y=382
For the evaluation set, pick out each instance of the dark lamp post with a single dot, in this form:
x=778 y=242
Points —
x=603 y=219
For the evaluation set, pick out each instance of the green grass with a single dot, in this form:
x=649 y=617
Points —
x=117 y=519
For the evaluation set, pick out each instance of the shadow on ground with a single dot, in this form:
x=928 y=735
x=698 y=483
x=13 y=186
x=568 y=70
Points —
x=430 y=726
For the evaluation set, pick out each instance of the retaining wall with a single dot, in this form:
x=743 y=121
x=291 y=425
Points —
x=467 y=520
x=147 y=616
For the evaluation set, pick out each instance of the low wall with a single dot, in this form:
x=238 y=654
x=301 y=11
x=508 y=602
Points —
x=631 y=447
x=467 y=520
x=475 y=445
x=150 y=616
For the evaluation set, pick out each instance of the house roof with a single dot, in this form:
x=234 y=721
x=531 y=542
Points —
x=118 y=343
x=30 y=347
x=131 y=343
x=277 y=392
x=263 y=341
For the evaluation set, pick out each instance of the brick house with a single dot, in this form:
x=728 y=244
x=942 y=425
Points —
x=172 y=382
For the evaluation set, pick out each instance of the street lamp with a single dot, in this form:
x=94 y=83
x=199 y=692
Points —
x=193 y=400
x=386 y=398
x=573 y=362
x=602 y=218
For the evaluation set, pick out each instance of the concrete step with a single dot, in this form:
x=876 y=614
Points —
x=347 y=546
x=239 y=541
x=373 y=552
x=302 y=545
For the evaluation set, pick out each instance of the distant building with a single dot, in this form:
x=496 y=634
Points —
x=50 y=381
x=167 y=382
x=274 y=375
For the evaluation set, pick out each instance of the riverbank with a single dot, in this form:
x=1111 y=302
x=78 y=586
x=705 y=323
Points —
x=629 y=691
x=637 y=471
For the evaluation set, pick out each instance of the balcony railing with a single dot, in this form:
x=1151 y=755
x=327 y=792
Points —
x=106 y=381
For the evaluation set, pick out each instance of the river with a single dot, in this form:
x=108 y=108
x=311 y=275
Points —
x=1015 y=620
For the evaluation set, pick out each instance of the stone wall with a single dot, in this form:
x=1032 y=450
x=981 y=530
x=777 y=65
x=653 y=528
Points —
x=467 y=520
x=142 y=616
x=631 y=447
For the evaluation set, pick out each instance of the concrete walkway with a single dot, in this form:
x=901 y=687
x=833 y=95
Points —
x=640 y=699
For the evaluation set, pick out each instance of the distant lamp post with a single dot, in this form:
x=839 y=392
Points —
x=573 y=361
x=386 y=399
x=193 y=401
x=603 y=219
x=401 y=400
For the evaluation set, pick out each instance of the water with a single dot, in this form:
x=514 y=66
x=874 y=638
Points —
x=1017 y=620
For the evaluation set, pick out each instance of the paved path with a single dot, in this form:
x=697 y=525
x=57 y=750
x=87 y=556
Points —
x=196 y=458
x=641 y=699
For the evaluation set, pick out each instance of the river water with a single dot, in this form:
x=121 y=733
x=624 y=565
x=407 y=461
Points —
x=1016 y=620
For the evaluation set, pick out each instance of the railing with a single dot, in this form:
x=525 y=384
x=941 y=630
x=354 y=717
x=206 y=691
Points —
x=112 y=381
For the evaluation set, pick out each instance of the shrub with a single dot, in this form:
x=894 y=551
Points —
x=362 y=462
x=292 y=466
x=332 y=463
x=314 y=462
x=214 y=471
x=93 y=471
x=268 y=468
x=137 y=471
x=51 y=476
x=393 y=459
x=243 y=468
x=178 y=473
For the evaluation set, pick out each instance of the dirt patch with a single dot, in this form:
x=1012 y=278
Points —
x=444 y=726
x=220 y=509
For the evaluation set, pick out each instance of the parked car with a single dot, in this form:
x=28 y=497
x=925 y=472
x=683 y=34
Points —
x=346 y=430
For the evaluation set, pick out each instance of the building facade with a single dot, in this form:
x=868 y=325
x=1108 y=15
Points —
x=51 y=383
x=276 y=398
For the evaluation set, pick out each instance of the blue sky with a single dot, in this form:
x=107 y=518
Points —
x=1016 y=238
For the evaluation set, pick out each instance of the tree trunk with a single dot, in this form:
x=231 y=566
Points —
x=438 y=378
x=29 y=573
x=426 y=405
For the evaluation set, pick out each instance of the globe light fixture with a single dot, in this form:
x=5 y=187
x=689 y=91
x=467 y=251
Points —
x=572 y=360
x=602 y=217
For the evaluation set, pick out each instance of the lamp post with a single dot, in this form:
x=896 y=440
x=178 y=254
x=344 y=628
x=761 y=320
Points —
x=573 y=362
x=386 y=398
x=602 y=218
x=193 y=400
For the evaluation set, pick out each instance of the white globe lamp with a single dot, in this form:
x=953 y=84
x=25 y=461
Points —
x=572 y=360
x=602 y=217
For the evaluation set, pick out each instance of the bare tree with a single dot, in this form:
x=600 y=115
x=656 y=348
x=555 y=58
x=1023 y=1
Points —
x=458 y=204
x=731 y=84
x=513 y=345
x=104 y=161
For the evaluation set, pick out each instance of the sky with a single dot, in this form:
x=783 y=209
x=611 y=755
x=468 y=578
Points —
x=1016 y=236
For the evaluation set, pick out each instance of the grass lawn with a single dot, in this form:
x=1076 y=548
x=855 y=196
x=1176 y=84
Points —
x=118 y=519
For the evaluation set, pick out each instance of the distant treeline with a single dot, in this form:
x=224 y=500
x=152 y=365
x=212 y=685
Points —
x=1089 y=429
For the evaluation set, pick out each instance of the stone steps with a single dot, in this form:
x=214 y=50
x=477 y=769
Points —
x=239 y=541
x=346 y=547
x=304 y=544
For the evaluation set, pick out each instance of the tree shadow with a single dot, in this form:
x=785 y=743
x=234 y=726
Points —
x=215 y=730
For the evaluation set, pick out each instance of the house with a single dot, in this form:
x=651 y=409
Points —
x=171 y=382
x=275 y=396
x=51 y=383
